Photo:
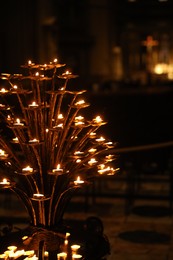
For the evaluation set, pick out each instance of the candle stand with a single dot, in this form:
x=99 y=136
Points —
x=48 y=149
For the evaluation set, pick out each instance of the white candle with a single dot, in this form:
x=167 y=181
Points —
x=29 y=253
x=38 y=196
x=67 y=234
x=33 y=140
x=12 y=248
x=79 y=123
x=60 y=126
x=62 y=256
x=92 y=150
x=33 y=104
x=79 y=118
x=4 y=182
x=76 y=256
x=92 y=161
x=27 y=169
x=98 y=119
x=79 y=103
x=3 y=90
x=78 y=181
x=78 y=153
x=101 y=139
x=74 y=248
x=57 y=169
x=92 y=135
x=18 y=123
x=15 y=140
x=3 y=154
x=60 y=116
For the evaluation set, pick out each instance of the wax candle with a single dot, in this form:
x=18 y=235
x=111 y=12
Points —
x=33 y=141
x=5 y=182
x=78 y=181
x=74 y=248
x=38 y=196
x=15 y=140
x=18 y=123
x=27 y=169
x=33 y=105
x=76 y=256
x=92 y=161
x=62 y=256
x=12 y=248
x=3 y=154
x=58 y=170
x=101 y=139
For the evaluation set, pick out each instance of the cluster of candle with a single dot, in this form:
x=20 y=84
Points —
x=72 y=250
x=13 y=253
x=45 y=141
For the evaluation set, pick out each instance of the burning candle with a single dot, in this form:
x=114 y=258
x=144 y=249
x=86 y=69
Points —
x=92 y=150
x=33 y=141
x=66 y=242
x=92 y=135
x=2 y=106
x=60 y=116
x=18 y=123
x=29 y=253
x=103 y=169
x=92 y=161
x=12 y=248
x=79 y=123
x=79 y=118
x=76 y=256
x=78 y=153
x=109 y=158
x=34 y=257
x=79 y=103
x=101 y=139
x=3 y=90
x=78 y=181
x=5 y=182
x=62 y=256
x=33 y=105
x=27 y=169
x=46 y=255
x=59 y=126
x=74 y=248
x=57 y=170
x=15 y=140
x=67 y=234
x=3 y=154
x=97 y=120
x=38 y=196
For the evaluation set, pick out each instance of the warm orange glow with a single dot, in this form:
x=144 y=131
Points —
x=78 y=181
x=27 y=169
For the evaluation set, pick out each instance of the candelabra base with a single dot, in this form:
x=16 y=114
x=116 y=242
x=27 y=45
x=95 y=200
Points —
x=94 y=245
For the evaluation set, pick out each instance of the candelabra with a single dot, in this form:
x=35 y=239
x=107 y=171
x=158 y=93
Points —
x=47 y=148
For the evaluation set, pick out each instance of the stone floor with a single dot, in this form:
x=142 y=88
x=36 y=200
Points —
x=145 y=233
x=134 y=236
